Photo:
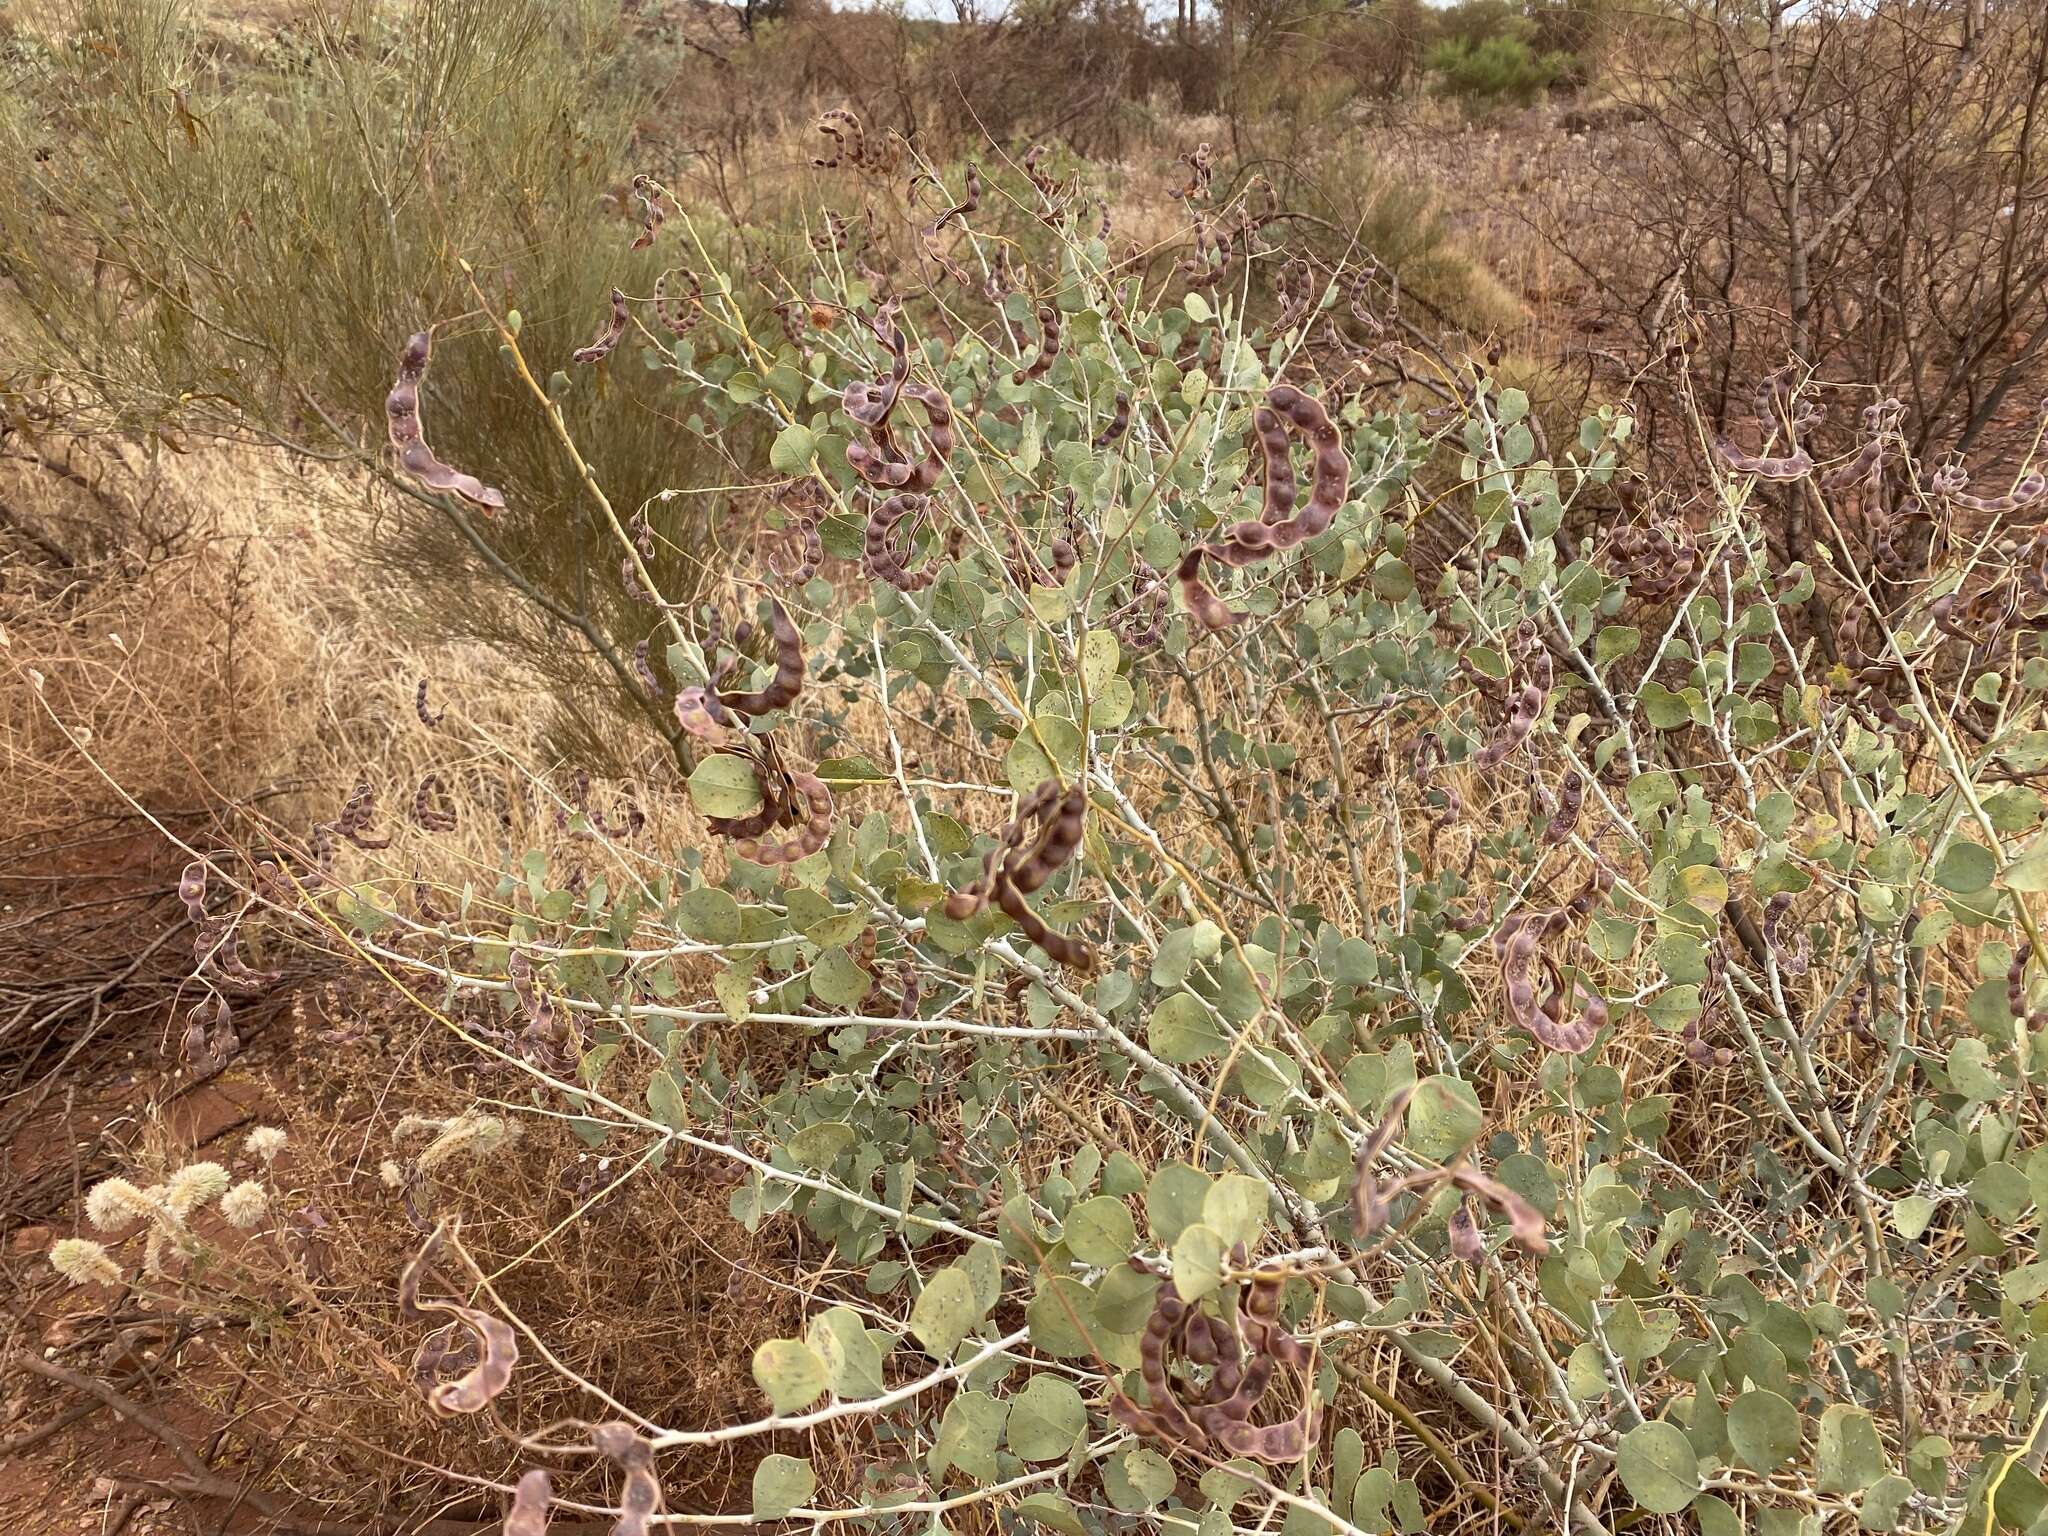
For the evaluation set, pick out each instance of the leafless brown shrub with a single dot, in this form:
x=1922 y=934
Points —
x=1858 y=187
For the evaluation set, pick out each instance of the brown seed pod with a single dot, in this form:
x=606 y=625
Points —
x=356 y=816
x=428 y=718
x=192 y=890
x=1011 y=871
x=408 y=436
x=1571 y=796
x=649 y=191
x=497 y=1348
x=1118 y=422
x=1201 y=166
x=1532 y=665
x=530 y=1499
x=608 y=338
x=814 y=832
x=1048 y=349
x=677 y=310
x=426 y=812
x=1657 y=561
x=1372 y=1202
x=788 y=681
x=640 y=1500
x=1949 y=482
x=1796 y=465
x=886 y=544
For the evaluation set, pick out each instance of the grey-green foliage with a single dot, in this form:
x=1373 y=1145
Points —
x=1788 y=1180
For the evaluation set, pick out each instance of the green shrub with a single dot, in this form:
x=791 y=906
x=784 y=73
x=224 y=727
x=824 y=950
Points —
x=1500 y=69
x=1534 y=989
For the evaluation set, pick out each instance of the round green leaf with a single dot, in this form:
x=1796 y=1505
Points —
x=710 y=915
x=791 y=1373
x=1763 y=1428
x=945 y=1310
x=782 y=1483
x=1658 y=1467
x=1182 y=1030
x=1101 y=1232
x=724 y=785
x=1045 y=1419
x=1443 y=1118
x=1966 y=868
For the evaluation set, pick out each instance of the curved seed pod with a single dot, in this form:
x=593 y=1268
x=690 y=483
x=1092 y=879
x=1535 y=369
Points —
x=1793 y=962
x=530 y=1499
x=1280 y=487
x=805 y=531
x=355 y=818
x=1868 y=464
x=1207 y=609
x=1048 y=348
x=1118 y=422
x=1201 y=172
x=649 y=191
x=1701 y=1054
x=1793 y=466
x=643 y=668
x=678 y=311
x=209 y=1050
x=788 y=680
x=849 y=139
x=693 y=713
x=640 y=1498
x=1031 y=813
x=1525 y=1222
x=608 y=338
x=887 y=542
x=192 y=890
x=879 y=462
x=1571 y=795
x=408 y=435
x=1467 y=1245
x=428 y=718
x=970 y=202
x=1532 y=663
x=426 y=813
x=2030 y=489
x=496 y=1346
x=814 y=834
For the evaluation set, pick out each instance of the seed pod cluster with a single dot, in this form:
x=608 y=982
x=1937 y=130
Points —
x=408 y=435
x=1372 y=1202
x=1242 y=1348
x=1780 y=409
x=1286 y=413
x=1020 y=864
x=1519 y=941
x=496 y=1348
x=790 y=797
x=851 y=146
x=1658 y=561
x=210 y=1045
x=549 y=1040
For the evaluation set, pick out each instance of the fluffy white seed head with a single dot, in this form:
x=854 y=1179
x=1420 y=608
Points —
x=266 y=1141
x=195 y=1185
x=246 y=1204
x=114 y=1203
x=84 y=1262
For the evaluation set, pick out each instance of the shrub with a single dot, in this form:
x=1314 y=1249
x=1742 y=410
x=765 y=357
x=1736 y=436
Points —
x=1239 y=985
x=1501 y=69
